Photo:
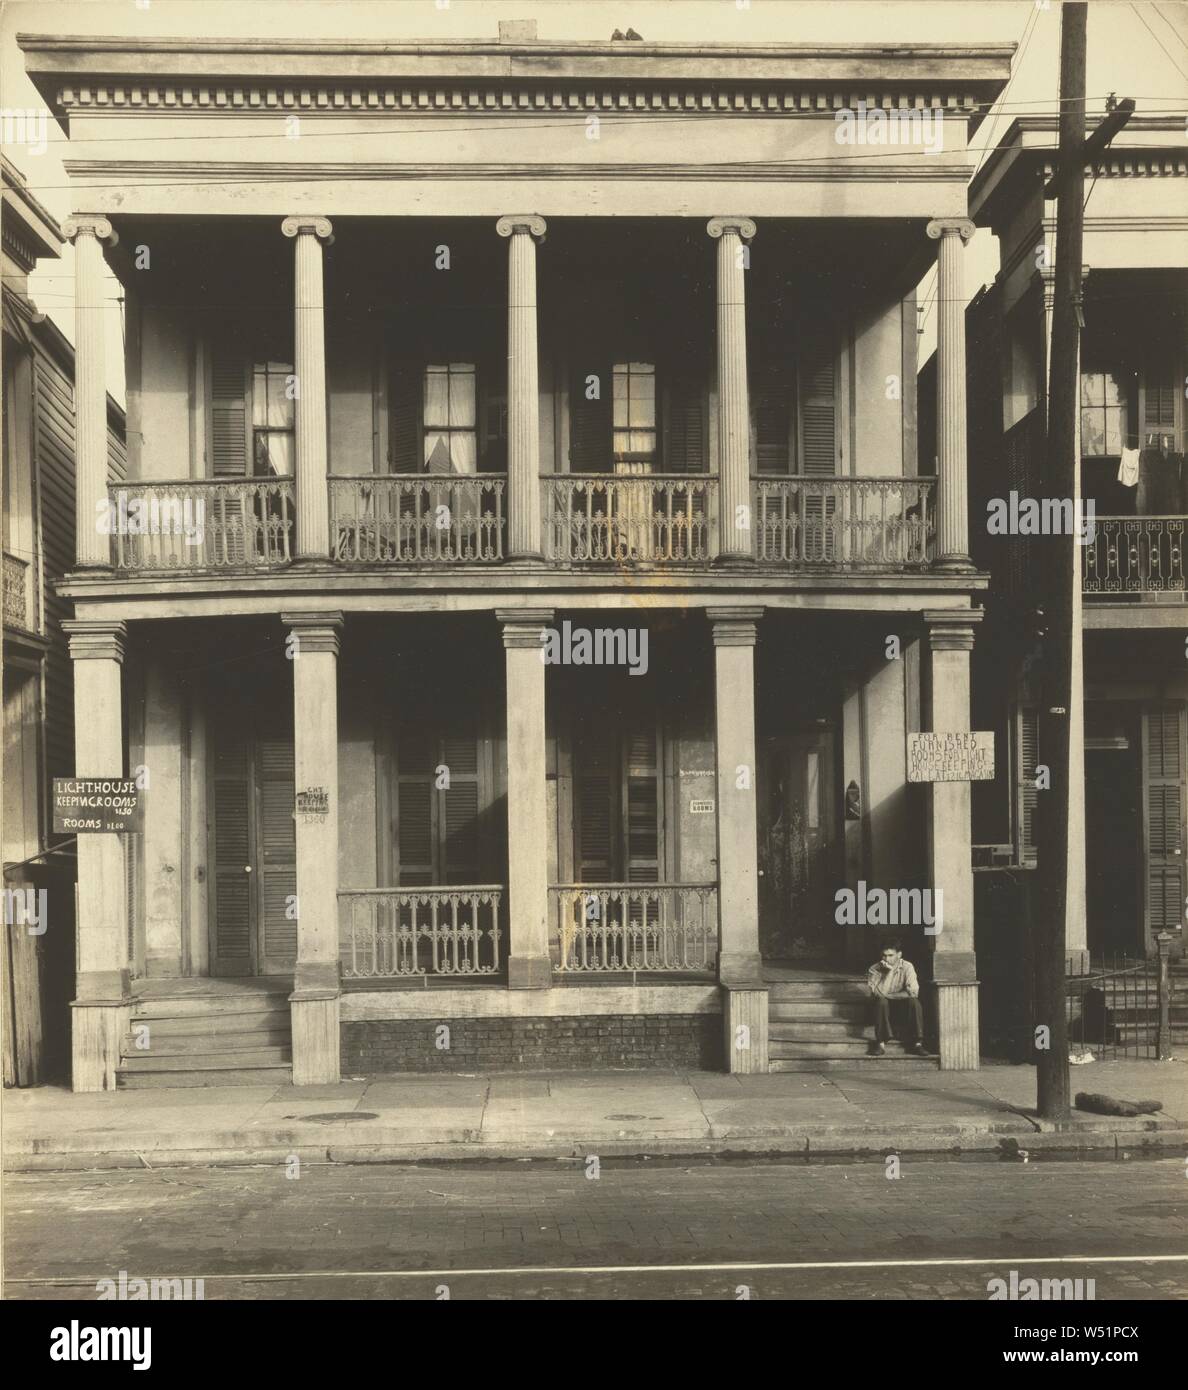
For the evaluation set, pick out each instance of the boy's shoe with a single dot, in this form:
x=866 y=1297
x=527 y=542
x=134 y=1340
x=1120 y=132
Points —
x=919 y=1050
x=878 y=1050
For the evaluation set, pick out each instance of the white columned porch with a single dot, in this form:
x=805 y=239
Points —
x=309 y=365
x=952 y=541
x=528 y=962
x=89 y=233
x=313 y=649
x=734 y=418
x=101 y=1010
x=954 y=961
x=524 y=232
x=740 y=967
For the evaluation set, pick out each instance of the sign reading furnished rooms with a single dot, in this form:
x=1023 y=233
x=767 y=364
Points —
x=959 y=757
x=110 y=804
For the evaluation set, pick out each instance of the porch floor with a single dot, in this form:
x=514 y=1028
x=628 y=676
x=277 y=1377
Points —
x=165 y=987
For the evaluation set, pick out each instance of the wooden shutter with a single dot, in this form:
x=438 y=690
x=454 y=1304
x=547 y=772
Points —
x=232 y=854
x=1163 y=813
x=406 y=403
x=277 y=866
x=458 y=813
x=1159 y=401
x=641 y=811
x=818 y=411
x=685 y=424
x=591 y=422
x=230 y=414
x=1027 y=793
x=773 y=417
x=414 y=808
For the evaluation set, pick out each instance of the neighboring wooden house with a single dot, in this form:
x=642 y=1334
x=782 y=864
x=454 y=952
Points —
x=37 y=416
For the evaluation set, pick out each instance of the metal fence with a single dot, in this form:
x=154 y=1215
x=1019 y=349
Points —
x=1122 y=1008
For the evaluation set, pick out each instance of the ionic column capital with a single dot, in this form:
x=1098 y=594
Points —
x=320 y=227
x=743 y=227
x=952 y=630
x=951 y=226
x=528 y=223
x=735 y=626
x=90 y=224
x=315 y=632
x=95 y=639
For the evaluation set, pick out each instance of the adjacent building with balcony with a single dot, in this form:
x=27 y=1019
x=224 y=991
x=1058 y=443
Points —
x=523 y=586
x=1127 y=849
x=37 y=429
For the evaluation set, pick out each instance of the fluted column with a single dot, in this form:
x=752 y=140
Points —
x=89 y=234
x=314 y=1007
x=309 y=364
x=734 y=419
x=101 y=1009
x=953 y=503
x=950 y=835
x=523 y=386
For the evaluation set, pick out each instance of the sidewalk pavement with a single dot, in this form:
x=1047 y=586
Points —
x=416 y=1117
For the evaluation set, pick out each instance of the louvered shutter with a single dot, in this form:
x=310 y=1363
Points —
x=1159 y=400
x=229 y=413
x=773 y=414
x=1028 y=795
x=591 y=422
x=278 y=855
x=641 y=810
x=458 y=813
x=684 y=424
x=406 y=396
x=1163 y=809
x=233 y=887
x=414 y=808
x=818 y=412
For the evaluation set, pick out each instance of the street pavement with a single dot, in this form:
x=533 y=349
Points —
x=412 y=1116
x=602 y=1228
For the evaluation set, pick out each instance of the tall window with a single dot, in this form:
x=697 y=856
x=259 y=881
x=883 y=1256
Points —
x=1103 y=415
x=274 y=415
x=634 y=414
x=450 y=418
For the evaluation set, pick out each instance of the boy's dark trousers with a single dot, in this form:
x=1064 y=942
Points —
x=915 y=1018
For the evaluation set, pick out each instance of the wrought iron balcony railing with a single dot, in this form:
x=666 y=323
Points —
x=845 y=523
x=391 y=933
x=1134 y=555
x=218 y=523
x=660 y=927
x=649 y=518
x=412 y=519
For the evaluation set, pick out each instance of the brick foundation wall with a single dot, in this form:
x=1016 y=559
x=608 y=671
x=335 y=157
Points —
x=539 y=1044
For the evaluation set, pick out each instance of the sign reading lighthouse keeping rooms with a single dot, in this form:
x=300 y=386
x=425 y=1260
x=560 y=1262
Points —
x=83 y=804
x=961 y=757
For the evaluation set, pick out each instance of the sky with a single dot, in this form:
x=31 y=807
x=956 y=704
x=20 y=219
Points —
x=1134 y=49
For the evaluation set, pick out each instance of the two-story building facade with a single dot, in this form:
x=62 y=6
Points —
x=523 y=587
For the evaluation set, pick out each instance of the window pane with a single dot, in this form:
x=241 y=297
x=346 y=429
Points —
x=437 y=396
x=462 y=414
x=281 y=410
x=1092 y=388
x=437 y=452
x=463 y=451
x=1092 y=432
x=1113 y=432
x=259 y=396
x=274 y=454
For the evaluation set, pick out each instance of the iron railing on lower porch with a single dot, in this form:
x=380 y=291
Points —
x=413 y=519
x=1130 y=555
x=845 y=523
x=218 y=523
x=391 y=933
x=1126 y=1007
x=661 y=927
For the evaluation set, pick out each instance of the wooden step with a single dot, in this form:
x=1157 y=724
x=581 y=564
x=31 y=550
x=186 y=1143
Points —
x=820 y=1009
x=798 y=991
x=163 y=1044
x=274 y=1075
x=816 y=1030
x=209 y=1061
x=867 y=1065
x=831 y=1047
x=211 y=1005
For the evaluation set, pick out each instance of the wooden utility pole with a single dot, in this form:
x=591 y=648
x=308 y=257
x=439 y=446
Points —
x=1060 y=574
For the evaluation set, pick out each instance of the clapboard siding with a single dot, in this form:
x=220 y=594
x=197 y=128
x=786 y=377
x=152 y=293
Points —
x=54 y=447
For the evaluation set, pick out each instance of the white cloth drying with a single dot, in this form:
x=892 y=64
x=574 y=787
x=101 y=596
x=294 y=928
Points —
x=1128 y=469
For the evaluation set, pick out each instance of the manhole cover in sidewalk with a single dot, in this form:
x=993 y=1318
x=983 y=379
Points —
x=333 y=1117
x=635 y=1117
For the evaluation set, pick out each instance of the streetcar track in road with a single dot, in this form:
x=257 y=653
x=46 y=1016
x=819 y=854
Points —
x=730 y=1267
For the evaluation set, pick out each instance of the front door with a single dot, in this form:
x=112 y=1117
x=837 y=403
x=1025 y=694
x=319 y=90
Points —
x=253 y=914
x=799 y=840
x=1165 y=834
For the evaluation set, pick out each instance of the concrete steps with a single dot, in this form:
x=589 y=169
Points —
x=228 y=1034
x=820 y=1024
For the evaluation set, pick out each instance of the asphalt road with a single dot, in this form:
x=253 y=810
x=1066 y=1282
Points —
x=639 y=1230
